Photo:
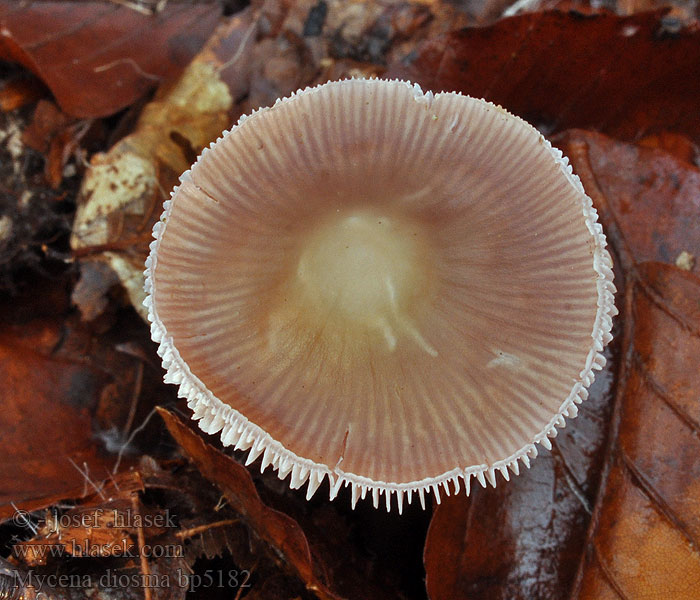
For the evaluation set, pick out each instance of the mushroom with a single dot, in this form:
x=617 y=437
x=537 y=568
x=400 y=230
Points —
x=389 y=289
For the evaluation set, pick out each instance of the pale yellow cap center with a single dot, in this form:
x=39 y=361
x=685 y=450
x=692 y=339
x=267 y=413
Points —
x=365 y=269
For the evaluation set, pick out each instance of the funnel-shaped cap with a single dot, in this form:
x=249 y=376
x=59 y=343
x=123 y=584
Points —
x=387 y=288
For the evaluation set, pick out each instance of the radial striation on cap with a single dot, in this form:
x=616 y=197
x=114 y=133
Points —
x=390 y=289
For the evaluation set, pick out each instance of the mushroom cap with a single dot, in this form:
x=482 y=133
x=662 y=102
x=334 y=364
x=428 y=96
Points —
x=383 y=287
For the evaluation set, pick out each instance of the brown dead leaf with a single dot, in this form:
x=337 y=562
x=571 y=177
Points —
x=276 y=529
x=47 y=121
x=98 y=57
x=624 y=76
x=124 y=482
x=87 y=531
x=70 y=396
x=649 y=200
x=56 y=136
x=118 y=543
x=645 y=532
x=46 y=423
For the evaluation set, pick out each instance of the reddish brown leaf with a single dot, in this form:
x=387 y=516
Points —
x=98 y=57
x=118 y=484
x=678 y=145
x=47 y=430
x=645 y=536
x=82 y=531
x=624 y=76
x=649 y=200
x=55 y=135
x=69 y=396
x=46 y=122
x=278 y=530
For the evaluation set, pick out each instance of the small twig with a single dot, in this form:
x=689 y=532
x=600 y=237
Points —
x=192 y=531
x=114 y=482
x=145 y=568
x=221 y=503
x=134 y=398
x=22 y=517
x=520 y=6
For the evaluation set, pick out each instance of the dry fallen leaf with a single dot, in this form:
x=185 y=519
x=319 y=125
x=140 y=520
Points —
x=47 y=403
x=98 y=57
x=275 y=528
x=124 y=482
x=644 y=539
x=71 y=395
x=55 y=135
x=624 y=76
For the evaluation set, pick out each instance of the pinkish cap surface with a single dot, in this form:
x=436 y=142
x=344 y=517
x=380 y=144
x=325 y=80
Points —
x=387 y=288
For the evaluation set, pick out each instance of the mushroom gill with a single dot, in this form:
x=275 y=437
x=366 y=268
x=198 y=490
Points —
x=387 y=288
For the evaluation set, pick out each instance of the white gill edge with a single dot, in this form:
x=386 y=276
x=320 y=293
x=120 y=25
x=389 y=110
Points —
x=236 y=430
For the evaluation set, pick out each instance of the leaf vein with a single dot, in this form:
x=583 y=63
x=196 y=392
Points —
x=642 y=482
x=657 y=299
x=662 y=394
x=609 y=577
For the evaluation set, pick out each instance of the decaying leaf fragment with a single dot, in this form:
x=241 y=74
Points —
x=561 y=70
x=124 y=188
x=81 y=533
x=47 y=402
x=98 y=57
x=645 y=534
x=277 y=530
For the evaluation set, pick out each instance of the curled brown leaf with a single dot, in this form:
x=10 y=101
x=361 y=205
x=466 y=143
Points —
x=644 y=539
x=279 y=531
x=99 y=57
